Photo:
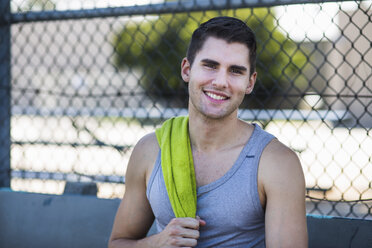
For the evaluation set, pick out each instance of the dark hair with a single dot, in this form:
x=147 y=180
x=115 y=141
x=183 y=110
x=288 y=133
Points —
x=227 y=28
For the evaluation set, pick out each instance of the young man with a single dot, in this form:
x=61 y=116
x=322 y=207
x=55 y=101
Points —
x=250 y=187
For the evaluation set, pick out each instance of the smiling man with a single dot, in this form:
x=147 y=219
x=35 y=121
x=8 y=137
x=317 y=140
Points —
x=211 y=179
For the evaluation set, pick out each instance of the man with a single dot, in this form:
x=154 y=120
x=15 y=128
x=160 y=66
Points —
x=250 y=187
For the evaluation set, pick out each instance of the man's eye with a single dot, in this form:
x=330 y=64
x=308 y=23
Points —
x=211 y=66
x=236 y=71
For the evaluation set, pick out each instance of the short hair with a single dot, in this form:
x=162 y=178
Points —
x=229 y=29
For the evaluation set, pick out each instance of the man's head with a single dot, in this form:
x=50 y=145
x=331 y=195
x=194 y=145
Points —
x=227 y=28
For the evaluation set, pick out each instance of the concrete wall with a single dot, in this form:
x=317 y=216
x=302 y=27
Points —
x=36 y=220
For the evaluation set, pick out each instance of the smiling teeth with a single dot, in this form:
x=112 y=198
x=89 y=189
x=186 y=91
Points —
x=214 y=96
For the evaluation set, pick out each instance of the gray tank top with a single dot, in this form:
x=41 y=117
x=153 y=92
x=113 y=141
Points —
x=230 y=205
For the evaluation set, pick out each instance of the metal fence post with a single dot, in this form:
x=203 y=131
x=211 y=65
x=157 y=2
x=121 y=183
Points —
x=5 y=94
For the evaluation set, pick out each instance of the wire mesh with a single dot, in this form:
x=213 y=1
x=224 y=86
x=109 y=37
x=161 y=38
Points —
x=89 y=78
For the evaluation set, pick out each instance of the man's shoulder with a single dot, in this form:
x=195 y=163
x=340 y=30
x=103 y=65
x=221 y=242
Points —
x=145 y=152
x=277 y=150
x=279 y=162
x=147 y=143
x=147 y=147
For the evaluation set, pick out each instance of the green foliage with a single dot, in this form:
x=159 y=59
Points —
x=38 y=5
x=157 y=45
x=157 y=48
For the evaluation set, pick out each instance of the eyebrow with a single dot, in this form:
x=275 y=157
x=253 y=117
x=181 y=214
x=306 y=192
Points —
x=209 y=61
x=236 y=67
x=239 y=67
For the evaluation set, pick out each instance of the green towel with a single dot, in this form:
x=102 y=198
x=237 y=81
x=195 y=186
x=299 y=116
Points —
x=177 y=165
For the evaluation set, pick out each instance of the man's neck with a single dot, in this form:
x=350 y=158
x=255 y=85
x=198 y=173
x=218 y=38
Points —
x=207 y=134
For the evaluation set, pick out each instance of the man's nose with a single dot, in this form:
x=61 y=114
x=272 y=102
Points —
x=221 y=80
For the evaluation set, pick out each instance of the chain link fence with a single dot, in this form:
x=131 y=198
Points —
x=89 y=78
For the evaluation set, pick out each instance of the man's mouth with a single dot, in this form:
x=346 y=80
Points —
x=215 y=96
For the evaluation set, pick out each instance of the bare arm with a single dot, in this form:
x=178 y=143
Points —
x=284 y=190
x=134 y=216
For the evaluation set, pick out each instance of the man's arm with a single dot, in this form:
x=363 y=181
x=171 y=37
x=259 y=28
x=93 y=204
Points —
x=283 y=185
x=134 y=216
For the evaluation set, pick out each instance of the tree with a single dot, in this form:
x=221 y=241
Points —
x=38 y=5
x=156 y=47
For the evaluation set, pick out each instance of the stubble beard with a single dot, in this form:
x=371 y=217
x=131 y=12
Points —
x=202 y=109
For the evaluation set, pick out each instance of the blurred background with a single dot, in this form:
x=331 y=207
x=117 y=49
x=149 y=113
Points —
x=82 y=81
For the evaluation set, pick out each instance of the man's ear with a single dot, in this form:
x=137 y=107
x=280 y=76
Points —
x=252 y=82
x=185 y=70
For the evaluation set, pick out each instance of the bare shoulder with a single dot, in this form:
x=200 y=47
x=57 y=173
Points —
x=147 y=146
x=277 y=151
x=143 y=156
x=279 y=165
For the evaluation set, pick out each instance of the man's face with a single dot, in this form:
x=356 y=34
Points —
x=219 y=78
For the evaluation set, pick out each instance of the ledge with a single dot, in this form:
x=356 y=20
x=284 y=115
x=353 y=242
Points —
x=72 y=220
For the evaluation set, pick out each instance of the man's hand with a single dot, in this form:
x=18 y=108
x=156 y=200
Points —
x=180 y=232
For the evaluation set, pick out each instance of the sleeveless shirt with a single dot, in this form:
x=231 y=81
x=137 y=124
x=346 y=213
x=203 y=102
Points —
x=230 y=205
